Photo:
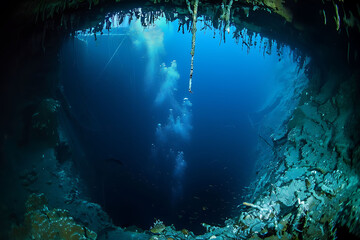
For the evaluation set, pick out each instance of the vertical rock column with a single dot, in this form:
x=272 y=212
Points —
x=194 y=15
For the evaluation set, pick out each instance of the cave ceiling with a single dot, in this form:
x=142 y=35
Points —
x=311 y=26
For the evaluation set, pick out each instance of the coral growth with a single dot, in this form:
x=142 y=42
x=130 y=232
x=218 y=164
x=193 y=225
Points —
x=158 y=227
x=42 y=223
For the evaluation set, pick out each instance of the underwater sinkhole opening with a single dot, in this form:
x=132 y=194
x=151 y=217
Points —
x=146 y=147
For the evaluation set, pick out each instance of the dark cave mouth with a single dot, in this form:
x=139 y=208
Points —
x=122 y=180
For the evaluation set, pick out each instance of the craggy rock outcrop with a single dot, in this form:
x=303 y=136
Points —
x=314 y=179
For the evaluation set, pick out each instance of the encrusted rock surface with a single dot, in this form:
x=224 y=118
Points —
x=42 y=223
x=314 y=181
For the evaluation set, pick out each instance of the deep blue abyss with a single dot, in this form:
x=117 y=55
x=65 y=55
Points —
x=146 y=146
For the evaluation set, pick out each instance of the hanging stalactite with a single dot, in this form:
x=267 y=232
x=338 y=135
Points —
x=194 y=15
x=226 y=15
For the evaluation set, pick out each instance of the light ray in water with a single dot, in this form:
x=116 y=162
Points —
x=111 y=58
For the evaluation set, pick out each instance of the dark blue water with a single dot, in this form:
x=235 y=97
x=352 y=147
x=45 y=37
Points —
x=149 y=148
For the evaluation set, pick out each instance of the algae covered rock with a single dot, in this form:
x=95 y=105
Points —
x=158 y=227
x=42 y=223
x=36 y=202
